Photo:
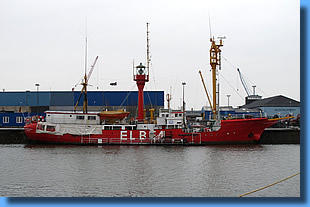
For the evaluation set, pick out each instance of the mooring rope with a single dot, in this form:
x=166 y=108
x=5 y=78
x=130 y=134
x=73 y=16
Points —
x=269 y=185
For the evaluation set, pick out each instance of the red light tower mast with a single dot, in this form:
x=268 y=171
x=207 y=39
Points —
x=140 y=76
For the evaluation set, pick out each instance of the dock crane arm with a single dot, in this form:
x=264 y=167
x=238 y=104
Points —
x=243 y=83
x=91 y=69
x=206 y=90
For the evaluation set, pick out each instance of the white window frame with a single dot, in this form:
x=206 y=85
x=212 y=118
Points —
x=19 y=119
x=6 y=120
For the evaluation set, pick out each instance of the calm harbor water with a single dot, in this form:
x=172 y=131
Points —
x=148 y=171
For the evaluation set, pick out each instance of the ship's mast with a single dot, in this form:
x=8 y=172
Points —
x=215 y=57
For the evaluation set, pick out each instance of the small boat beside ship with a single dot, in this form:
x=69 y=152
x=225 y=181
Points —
x=169 y=127
x=113 y=115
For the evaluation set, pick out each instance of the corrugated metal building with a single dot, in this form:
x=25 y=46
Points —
x=16 y=104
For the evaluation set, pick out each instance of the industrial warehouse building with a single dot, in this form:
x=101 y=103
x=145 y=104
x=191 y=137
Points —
x=14 y=106
x=276 y=105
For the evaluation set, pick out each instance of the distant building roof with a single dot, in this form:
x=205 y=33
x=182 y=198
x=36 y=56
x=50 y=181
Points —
x=275 y=101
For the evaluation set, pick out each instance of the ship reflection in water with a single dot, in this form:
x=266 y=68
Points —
x=148 y=171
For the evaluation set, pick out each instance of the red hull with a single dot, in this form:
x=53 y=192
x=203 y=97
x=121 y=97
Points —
x=231 y=131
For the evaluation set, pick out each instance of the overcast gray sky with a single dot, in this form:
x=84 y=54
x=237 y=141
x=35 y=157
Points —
x=43 y=41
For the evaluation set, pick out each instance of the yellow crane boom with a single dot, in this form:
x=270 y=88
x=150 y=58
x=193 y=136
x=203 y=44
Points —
x=206 y=91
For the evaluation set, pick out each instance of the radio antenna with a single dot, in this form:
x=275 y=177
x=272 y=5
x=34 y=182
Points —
x=85 y=45
x=210 y=26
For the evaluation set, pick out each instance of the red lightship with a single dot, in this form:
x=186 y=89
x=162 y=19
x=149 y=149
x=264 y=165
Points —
x=170 y=127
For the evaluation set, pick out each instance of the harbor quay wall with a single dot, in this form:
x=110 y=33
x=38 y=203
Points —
x=13 y=136
x=269 y=136
x=280 y=136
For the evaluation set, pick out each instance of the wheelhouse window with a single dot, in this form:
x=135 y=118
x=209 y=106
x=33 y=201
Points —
x=91 y=117
x=6 y=120
x=80 y=117
x=50 y=128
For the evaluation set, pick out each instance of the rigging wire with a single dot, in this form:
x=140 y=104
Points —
x=244 y=76
x=148 y=96
x=231 y=86
x=152 y=69
x=229 y=62
x=127 y=95
x=256 y=86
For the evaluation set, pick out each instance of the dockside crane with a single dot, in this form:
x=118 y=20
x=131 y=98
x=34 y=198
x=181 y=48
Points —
x=243 y=83
x=251 y=97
